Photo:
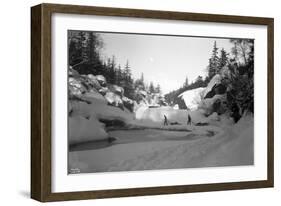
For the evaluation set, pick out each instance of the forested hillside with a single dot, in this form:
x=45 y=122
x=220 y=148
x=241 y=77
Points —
x=234 y=73
x=85 y=58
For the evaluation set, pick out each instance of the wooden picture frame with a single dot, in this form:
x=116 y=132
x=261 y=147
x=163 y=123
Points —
x=41 y=97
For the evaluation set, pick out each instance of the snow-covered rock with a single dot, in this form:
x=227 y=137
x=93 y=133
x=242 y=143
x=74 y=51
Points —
x=128 y=103
x=176 y=106
x=76 y=87
x=93 y=82
x=127 y=100
x=103 y=90
x=72 y=72
x=143 y=93
x=84 y=130
x=214 y=87
x=192 y=98
x=93 y=95
x=101 y=79
x=214 y=81
x=214 y=104
x=114 y=99
x=100 y=110
x=117 y=90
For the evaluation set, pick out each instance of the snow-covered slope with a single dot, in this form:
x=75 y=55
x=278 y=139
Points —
x=83 y=130
x=85 y=118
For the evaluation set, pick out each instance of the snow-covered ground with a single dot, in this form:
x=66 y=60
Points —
x=110 y=138
x=161 y=149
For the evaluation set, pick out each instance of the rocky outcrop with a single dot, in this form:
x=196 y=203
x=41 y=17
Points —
x=128 y=103
x=114 y=100
x=88 y=87
x=214 y=97
x=217 y=97
x=215 y=87
x=102 y=81
x=192 y=98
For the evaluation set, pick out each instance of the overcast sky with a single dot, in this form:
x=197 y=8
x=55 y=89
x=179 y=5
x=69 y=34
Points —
x=166 y=60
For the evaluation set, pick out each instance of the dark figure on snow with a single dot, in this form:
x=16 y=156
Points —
x=189 y=120
x=165 y=120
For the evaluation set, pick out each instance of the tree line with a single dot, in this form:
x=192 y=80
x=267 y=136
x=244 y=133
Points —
x=85 y=57
x=236 y=68
x=237 y=71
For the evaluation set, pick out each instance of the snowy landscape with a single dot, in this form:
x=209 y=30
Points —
x=122 y=118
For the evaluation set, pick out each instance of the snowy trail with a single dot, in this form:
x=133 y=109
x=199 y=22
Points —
x=185 y=154
x=155 y=150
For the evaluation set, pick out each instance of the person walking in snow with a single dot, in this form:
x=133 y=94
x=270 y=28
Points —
x=165 y=120
x=189 y=120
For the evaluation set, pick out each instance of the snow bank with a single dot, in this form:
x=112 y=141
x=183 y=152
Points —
x=238 y=150
x=100 y=111
x=94 y=96
x=173 y=115
x=84 y=130
x=192 y=98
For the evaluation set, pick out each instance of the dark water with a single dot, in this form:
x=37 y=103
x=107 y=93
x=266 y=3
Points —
x=134 y=136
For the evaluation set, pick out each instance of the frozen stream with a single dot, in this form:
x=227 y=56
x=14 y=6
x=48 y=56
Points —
x=138 y=136
x=136 y=150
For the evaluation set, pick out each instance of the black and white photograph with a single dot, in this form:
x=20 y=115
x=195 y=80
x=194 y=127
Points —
x=141 y=102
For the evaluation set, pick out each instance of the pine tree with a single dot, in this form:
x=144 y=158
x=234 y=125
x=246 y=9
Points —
x=223 y=59
x=158 y=89
x=213 y=67
x=151 y=88
x=240 y=96
x=185 y=82
x=129 y=82
x=139 y=83
x=142 y=79
x=84 y=52
x=74 y=48
x=84 y=46
x=110 y=71
x=118 y=75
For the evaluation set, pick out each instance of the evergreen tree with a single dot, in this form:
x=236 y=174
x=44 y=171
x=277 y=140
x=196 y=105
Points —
x=111 y=70
x=223 y=59
x=213 y=67
x=185 y=82
x=127 y=71
x=75 y=48
x=129 y=82
x=139 y=83
x=84 y=52
x=118 y=75
x=151 y=88
x=142 y=78
x=158 y=89
x=240 y=96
